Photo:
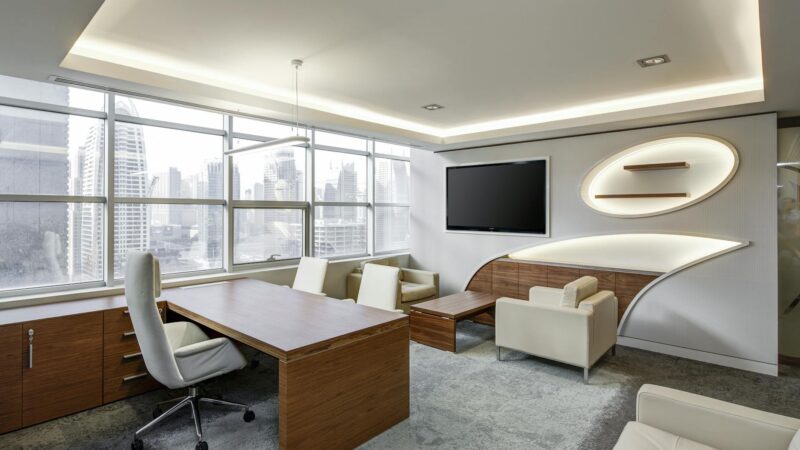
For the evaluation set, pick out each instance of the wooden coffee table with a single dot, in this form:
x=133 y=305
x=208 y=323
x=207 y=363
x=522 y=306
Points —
x=433 y=323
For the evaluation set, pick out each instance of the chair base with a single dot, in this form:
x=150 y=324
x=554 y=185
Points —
x=193 y=400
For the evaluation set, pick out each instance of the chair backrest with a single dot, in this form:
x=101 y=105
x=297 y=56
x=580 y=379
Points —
x=141 y=279
x=310 y=275
x=578 y=290
x=380 y=287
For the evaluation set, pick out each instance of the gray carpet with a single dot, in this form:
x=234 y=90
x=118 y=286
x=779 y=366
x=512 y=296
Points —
x=466 y=400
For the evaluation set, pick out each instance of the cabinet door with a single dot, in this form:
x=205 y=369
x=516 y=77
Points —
x=64 y=372
x=10 y=377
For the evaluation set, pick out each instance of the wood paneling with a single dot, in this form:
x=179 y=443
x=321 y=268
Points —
x=605 y=280
x=433 y=331
x=67 y=371
x=342 y=397
x=627 y=286
x=482 y=281
x=557 y=276
x=10 y=377
x=530 y=275
x=505 y=276
x=119 y=342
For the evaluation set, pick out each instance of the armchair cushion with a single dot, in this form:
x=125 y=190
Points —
x=414 y=291
x=578 y=290
x=638 y=436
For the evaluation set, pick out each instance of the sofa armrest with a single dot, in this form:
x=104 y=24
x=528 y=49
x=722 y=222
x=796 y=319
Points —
x=552 y=332
x=541 y=295
x=421 y=277
x=713 y=422
x=353 y=284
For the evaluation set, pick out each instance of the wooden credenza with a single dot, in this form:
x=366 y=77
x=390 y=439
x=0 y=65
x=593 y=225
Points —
x=505 y=277
x=63 y=358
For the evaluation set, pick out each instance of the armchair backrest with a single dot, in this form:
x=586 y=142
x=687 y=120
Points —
x=310 y=275
x=578 y=290
x=142 y=283
x=380 y=287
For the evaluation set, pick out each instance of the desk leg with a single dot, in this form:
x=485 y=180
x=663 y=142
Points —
x=342 y=397
x=433 y=331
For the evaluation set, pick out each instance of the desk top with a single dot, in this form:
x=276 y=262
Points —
x=278 y=320
x=457 y=306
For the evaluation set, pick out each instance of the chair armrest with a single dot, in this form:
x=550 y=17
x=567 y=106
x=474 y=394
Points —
x=199 y=347
x=421 y=277
x=348 y=300
x=603 y=307
x=353 y=284
x=541 y=295
x=553 y=332
x=713 y=422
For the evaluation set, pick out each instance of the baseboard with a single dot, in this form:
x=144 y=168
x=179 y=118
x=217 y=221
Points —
x=697 y=355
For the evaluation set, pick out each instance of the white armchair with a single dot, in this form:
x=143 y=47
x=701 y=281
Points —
x=668 y=418
x=575 y=325
x=415 y=285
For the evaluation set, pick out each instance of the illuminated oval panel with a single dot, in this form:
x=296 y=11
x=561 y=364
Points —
x=660 y=176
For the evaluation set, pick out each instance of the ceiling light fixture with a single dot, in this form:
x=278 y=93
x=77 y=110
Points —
x=289 y=140
x=653 y=60
x=433 y=107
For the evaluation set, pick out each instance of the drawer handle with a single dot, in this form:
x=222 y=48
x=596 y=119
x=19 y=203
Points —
x=129 y=334
x=132 y=355
x=30 y=348
x=128 y=313
x=134 y=377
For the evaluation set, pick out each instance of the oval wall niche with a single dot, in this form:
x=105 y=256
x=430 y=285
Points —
x=660 y=176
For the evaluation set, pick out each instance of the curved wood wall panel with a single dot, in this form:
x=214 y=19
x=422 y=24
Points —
x=505 y=277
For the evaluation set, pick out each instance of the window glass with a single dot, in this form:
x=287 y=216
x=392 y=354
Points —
x=340 y=177
x=183 y=237
x=392 y=181
x=392 y=227
x=385 y=148
x=276 y=173
x=50 y=243
x=51 y=93
x=340 y=140
x=267 y=234
x=166 y=163
x=340 y=231
x=263 y=128
x=137 y=107
x=44 y=153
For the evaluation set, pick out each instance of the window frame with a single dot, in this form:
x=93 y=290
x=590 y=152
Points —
x=229 y=205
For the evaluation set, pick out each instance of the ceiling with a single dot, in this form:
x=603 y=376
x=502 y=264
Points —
x=528 y=69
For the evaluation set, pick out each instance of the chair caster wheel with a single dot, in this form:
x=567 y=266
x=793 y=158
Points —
x=202 y=445
x=249 y=416
x=157 y=412
x=137 y=444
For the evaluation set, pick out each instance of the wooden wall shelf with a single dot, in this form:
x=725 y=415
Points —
x=656 y=195
x=657 y=166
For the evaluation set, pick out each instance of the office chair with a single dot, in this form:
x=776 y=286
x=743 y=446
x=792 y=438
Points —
x=380 y=287
x=177 y=354
x=310 y=275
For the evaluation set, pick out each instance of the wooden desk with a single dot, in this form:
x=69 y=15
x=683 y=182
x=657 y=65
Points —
x=433 y=323
x=343 y=368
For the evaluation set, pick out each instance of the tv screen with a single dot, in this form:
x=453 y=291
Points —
x=504 y=197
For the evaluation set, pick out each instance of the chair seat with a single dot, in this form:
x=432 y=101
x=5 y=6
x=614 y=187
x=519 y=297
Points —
x=414 y=291
x=638 y=436
x=199 y=358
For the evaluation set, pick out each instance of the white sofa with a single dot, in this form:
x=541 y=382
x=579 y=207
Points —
x=575 y=325
x=415 y=285
x=676 y=420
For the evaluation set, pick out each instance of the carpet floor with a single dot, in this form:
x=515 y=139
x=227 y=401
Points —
x=467 y=400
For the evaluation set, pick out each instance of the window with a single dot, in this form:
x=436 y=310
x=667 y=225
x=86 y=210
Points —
x=392 y=198
x=176 y=193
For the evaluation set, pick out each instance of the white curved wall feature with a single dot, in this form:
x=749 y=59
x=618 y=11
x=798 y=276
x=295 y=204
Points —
x=711 y=163
x=648 y=252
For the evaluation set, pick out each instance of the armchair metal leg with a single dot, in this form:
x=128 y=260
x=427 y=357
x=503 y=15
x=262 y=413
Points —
x=614 y=350
x=586 y=375
x=499 y=355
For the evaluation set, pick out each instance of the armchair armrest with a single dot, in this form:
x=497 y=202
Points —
x=421 y=277
x=353 y=284
x=713 y=422
x=199 y=347
x=541 y=295
x=603 y=307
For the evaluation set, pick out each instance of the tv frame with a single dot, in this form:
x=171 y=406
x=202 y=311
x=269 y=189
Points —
x=502 y=233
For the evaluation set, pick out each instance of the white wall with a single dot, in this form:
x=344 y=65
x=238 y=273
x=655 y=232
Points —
x=723 y=310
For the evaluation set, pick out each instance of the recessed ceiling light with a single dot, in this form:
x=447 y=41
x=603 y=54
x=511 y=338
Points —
x=432 y=107
x=653 y=60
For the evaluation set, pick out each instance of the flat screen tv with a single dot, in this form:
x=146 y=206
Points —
x=508 y=197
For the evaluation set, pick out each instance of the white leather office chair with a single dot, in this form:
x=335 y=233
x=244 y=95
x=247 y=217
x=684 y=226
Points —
x=310 y=275
x=177 y=354
x=380 y=287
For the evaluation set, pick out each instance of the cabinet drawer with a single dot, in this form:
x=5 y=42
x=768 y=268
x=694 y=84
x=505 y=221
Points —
x=124 y=376
x=119 y=319
x=119 y=343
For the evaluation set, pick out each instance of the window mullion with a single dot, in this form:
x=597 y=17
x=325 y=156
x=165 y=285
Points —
x=108 y=221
